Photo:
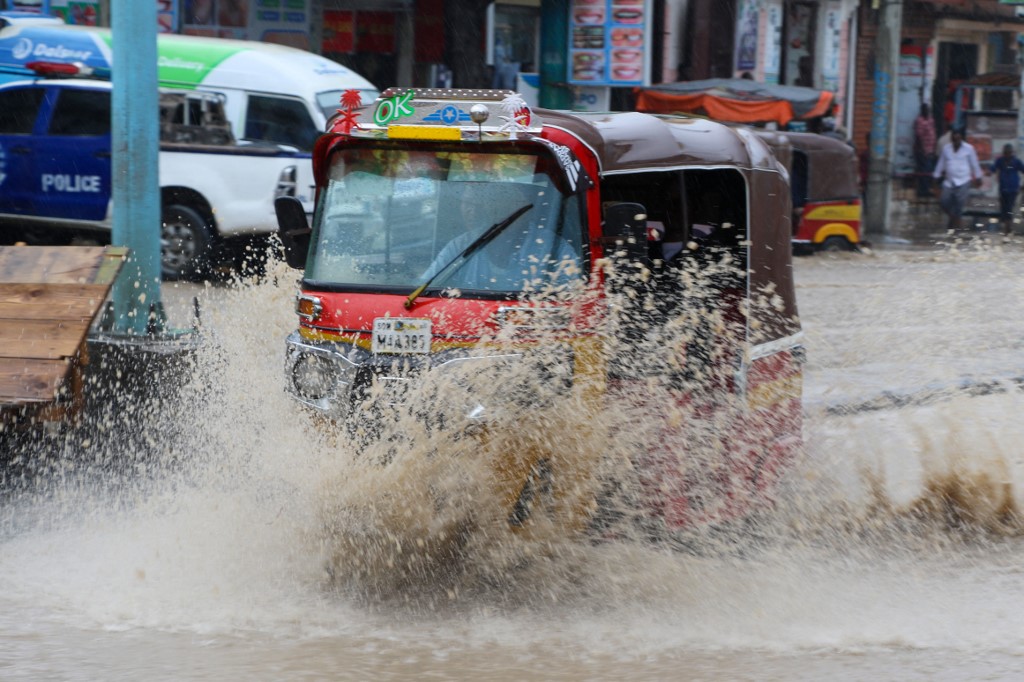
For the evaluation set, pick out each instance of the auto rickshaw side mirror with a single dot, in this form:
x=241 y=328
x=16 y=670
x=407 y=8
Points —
x=293 y=229
x=625 y=230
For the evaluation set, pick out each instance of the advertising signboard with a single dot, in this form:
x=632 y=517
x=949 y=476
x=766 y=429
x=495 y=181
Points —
x=272 y=21
x=833 y=46
x=339 y=31
x=91 y=12
x=587 y=98
x=375 y=32
x=285 y=22
x=167 y=16
x=609 y=42
x=82 y=13
x=773 y=42
x=746 y=35
x=31 y=6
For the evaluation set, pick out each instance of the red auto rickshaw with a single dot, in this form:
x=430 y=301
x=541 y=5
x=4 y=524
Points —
x=402 y=284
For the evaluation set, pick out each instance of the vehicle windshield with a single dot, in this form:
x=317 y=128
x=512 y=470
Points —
x=399 y=218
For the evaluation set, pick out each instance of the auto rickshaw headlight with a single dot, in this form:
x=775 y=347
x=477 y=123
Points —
x=314 y=376
x=308 y=307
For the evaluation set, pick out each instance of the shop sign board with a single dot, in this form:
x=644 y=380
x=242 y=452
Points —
x=78 y=12
x=609 y=42
x=375 y=32
x=167 y=16
x=339 y=31
x=285 y=22
x=591 y=98
x=746 y=35
x=31 y=6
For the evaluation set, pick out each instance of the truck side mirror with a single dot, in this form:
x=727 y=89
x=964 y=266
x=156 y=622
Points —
x=293 y=229
x=625 y=230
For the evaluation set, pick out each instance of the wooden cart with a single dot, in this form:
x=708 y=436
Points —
x=49 y=297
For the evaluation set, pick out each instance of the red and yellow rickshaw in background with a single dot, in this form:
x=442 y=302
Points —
x=826 y=193
x=824 y=187
x=822 y=169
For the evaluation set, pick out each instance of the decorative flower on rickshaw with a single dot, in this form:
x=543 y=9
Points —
x=517 y=114
x=350 y=101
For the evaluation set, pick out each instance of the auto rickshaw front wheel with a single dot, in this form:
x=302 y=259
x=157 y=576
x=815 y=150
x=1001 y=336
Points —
x=835 y=244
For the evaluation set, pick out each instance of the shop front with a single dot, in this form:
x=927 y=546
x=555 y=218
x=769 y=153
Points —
x=793 y=42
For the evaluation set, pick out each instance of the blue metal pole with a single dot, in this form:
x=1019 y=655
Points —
x=136 y=184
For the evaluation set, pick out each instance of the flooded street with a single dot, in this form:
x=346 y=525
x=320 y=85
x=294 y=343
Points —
x=896 y=552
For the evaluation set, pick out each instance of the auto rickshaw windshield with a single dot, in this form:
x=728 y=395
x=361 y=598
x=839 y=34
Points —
x=394 y=218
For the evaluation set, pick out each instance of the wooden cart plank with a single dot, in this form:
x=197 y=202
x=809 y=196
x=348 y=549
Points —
x=51 y=301
x=49 y=297
x=31 y=380
x=51 y=264
x=40 y=339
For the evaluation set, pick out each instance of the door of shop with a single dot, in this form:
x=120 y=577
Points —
x=798 y=47
x=957 y=62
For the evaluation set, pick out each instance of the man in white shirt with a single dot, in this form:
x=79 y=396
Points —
x=959 y=169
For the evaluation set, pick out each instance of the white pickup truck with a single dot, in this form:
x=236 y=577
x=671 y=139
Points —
x=217 y=194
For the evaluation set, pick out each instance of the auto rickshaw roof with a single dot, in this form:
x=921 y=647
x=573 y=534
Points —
x=632 y=141
x=815 y=142
x=831 y=166
x=778 y=141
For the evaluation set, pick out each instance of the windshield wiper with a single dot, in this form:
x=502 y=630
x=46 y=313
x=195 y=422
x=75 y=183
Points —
x=474 y=246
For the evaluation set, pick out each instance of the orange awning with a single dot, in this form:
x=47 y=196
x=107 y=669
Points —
x=736 y=100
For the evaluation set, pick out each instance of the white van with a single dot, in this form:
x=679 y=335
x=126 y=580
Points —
x=272 y=93
x=9 y=17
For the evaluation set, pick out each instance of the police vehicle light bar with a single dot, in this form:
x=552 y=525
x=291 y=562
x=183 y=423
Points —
x=58 y=69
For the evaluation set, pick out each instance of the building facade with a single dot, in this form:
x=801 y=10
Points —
x=792 y=42
x=823 y=44
x=944 y=43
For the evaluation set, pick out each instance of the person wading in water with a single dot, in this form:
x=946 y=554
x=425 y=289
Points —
x=959 y=169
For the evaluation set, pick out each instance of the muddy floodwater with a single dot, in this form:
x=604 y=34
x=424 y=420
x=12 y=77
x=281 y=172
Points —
x=187 y=549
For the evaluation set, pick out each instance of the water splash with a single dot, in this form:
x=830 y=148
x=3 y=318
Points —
x=923 y=363
x=224 y=515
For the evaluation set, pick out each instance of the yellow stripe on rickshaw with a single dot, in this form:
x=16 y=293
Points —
x=424 y=133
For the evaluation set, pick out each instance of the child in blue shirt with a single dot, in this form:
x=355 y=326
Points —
x=1009 y=168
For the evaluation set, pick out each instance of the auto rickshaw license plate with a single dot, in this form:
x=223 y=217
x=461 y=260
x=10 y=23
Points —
x=400 y=335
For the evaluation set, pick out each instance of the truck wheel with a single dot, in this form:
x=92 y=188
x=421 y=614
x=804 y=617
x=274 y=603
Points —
x=185 y=242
